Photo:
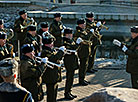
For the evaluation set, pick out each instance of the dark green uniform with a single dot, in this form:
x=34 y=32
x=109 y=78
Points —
x=30 y=74
x=96 y=40
x=55 y=29
x=70 y=62
x=83 y=51
x=132 y=62
x=52 y=76
x=35 y=40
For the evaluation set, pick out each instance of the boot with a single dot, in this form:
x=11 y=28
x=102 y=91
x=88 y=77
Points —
x=68 y=96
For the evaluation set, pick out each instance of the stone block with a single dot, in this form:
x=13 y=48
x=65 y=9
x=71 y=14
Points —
x=115 y=17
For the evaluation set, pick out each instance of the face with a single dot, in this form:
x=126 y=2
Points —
x=2 y=42
x=50 y=45
x=82 y=26
x=1 y=26
x=33 y=33
x=24 y=16
x=91 y=19
x=69 y=36
x=45 y=29
x=58 y=18
x=134 y=35
x=30 y=54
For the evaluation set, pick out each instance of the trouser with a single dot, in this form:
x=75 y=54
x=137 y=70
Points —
x=92 y=57
x=83 y=68
x=51 y=92
x=134 y=81
x=69 y=81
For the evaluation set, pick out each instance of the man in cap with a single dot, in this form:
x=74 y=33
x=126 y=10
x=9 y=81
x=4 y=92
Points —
x=70 y=61
x=9 y=32
x=52 y=76
x=31 y=71
x=33 y=38
x=56 y=29
x=132 y=52
x=83 y=38
x=10 y=90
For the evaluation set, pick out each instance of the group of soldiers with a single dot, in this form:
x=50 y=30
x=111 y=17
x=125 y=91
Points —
x=41 y=52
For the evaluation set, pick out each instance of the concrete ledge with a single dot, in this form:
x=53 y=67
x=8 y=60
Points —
x=15 y=2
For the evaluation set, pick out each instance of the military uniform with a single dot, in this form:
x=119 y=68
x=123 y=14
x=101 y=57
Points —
x=83 y=51
x=30 y=75
x=51 y=76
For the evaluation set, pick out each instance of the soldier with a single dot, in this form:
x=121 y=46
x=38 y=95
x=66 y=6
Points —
x=31 y=72
x=132 y=52
x=44 y=27
x=56 y=29
x=70 y=62
x=33 y=38
x=83 y=38
x=52 y=76
x=10 y=90
x=96 y=40
x=9 y=32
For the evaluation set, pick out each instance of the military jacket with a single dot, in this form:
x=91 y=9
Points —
x=55 y=29
x=52 y=75
x=40 y=32
x=11 y=92
x=35 y=40
x=132 y=52
x=9 y=32
x=30 y=75
x=84 y=49
x=71 y=59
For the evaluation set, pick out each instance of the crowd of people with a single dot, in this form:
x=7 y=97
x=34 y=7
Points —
x=41 y=51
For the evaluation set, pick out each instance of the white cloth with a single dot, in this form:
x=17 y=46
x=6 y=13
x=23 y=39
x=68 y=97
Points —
x=79 y=40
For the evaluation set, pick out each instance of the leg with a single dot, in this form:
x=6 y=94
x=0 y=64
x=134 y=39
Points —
x=134 y=81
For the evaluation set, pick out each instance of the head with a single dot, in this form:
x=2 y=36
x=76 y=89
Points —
x=8 y=69
x=68 y=33
x=90 y=16
x=1 y=23
x=134 y=32
x=81 y=23
x=57 y=16
x=48 y=40
x=44 y=26
x=32 y=30
x=3 y=37
x=28 y=50
x=23 y=14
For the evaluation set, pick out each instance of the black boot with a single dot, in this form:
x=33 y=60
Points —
x=68 y=96
x=73 y=95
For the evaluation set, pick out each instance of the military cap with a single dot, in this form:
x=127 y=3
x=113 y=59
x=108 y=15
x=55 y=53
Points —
x=8 y=67
x=44 y=24
x=57 y=15
x=134 y=29
x=26 y=48
x=22 y=12
x=1 y=21
x=89 y=14
x=31 y=28
x=68 y=30
x=81 y=21
x=3 y=35
x=48 y=38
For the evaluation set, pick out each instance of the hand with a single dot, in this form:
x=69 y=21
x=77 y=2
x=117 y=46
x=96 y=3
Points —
x=79 y=40
x=62 y=48
x=92 y=30
x=117 y=42
x=124 y=48
x=99 y=24
x=44 y=60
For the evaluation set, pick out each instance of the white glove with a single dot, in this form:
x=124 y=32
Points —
x=39 y=54
x=99 y=24
x=62 y=31
x=79 y=40
x=124 y=48
x=62 y=48
x=92 y=30
x=117 y=42
x=13 y=55
x=44 y=60
x=64 y=27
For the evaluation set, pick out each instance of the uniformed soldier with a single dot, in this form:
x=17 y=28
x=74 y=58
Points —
x=33 y=38
x=83 y=38
x=70 y=61
x=10 y=90
x=9 y=32
x=52 y=76
x=31 y=72
x=56 y=29
x=132 y=52
x=96 y=39
x=44 y=27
